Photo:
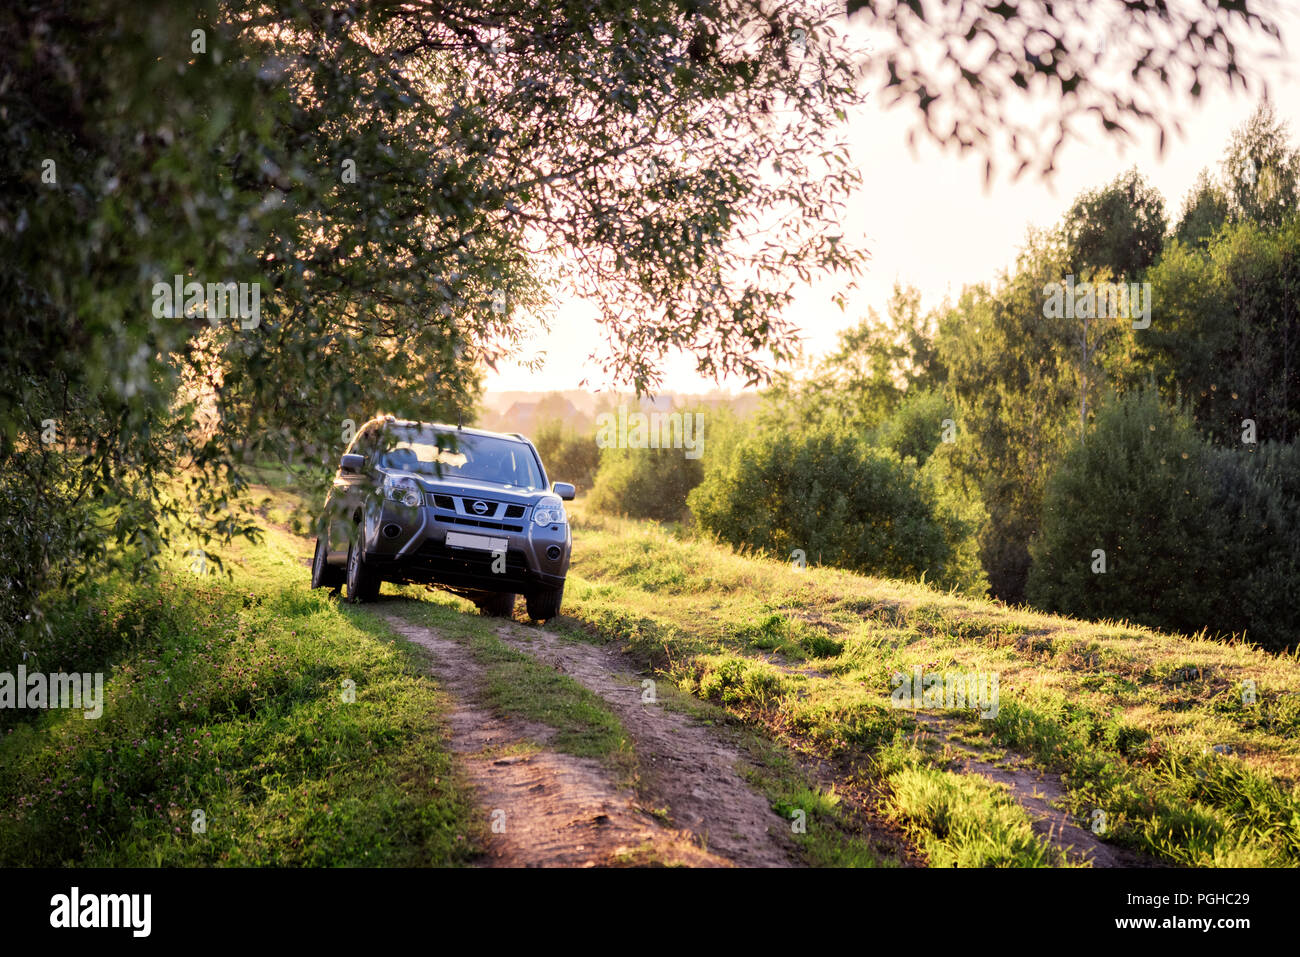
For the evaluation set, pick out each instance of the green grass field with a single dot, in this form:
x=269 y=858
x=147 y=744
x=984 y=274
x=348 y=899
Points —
x=306 y=732
x=1157 y=731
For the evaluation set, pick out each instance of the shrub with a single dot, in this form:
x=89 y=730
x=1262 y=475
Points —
x=569 y=456
x=645 y=483
x=831 y=494
x=1194 y=536
x=956 y=502
x=1257 y=524
x=915 y=429
x=1138 y=490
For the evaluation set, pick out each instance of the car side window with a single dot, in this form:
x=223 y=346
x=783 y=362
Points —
x=365 y=442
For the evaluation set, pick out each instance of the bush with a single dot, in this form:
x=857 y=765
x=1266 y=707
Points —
x=1138 y=490
x=915 y=429
x=1257 y=524
x=48 y=534
x=956 y=502
x=829 y=493
x=1194 y=536
x=568 y=455
x=645 y=483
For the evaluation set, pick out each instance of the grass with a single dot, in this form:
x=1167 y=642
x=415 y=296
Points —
x=226 y=697
x=827 y=835
x=517 y=685
x=1159 y=731
x=966 y=821
x=303 y=731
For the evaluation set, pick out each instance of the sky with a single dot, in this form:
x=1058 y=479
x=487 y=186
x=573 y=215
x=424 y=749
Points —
x=929 y=220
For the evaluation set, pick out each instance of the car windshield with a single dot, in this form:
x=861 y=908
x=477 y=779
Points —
x=460 y=455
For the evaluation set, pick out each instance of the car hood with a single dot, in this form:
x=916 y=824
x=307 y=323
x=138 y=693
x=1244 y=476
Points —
x=470 y=487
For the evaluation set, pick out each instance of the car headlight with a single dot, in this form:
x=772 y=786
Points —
x=403 y=490
x=549 y=510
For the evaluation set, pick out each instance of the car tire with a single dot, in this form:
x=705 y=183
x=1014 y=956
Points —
x=498 y=604
x=323 y=574
x=363 y=582
x=544 y=603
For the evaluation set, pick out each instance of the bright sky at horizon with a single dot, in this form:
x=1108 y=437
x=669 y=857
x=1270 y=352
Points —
x=929 y=221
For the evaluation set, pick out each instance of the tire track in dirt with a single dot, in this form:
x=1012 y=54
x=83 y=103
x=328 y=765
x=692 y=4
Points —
x=1040 y=793
x=685 y=766
x=548 y=809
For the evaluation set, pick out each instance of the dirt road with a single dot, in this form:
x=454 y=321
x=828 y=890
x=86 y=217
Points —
x=689 y=804
x=546 y=808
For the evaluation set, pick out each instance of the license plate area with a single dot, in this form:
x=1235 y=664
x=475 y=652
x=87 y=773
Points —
x=479 y=543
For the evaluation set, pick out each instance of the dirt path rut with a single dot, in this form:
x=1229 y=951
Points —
x=1041 y=794
x=684 y=765
x=546 y=808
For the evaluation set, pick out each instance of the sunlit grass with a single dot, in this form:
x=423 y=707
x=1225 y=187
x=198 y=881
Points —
x=1157 y=730
x=301 y=734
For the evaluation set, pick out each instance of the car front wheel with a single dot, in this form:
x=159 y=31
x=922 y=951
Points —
x=363 y=582
x=544 y=603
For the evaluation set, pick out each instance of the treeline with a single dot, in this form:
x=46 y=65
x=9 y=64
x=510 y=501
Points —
x=1108 y=430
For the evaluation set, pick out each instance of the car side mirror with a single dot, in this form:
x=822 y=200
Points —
x=564 y=490
x=352 y=464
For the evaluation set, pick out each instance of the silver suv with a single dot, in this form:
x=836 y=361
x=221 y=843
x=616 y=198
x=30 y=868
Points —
x=468 y=510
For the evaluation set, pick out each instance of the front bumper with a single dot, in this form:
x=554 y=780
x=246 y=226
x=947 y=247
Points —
x=410 y=543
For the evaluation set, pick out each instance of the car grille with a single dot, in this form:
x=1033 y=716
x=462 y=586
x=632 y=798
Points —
x=466 y=515
x=478 y=523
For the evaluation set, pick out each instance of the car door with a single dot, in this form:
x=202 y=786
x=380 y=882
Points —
x=350 y=491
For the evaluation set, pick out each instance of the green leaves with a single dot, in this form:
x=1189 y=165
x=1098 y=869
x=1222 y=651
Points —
x=1086 y=61
x=829 y=494
x=1119 y=228
x=1193 y=536
x=405 y=187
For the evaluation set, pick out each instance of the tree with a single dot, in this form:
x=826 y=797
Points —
x=1144 y=521
x=874 y=365
x=1261 y=169
x=1258 y=523
x=1124 y=523
x=958 y=505
x=399 y=185
x=1205 y=210
x=827 y=493
x=1119 y=228
x=569 y=455
x=965 y=67
x=1228 y=337
x=645 y=482
x=1013 y=378
x=404 y=184
x=917 y=426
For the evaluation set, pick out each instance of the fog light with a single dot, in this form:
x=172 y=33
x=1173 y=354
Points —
x=553 y=553
x=391 y=530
